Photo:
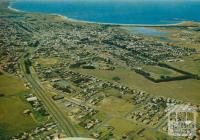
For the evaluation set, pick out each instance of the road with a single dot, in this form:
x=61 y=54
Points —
x=48 y=102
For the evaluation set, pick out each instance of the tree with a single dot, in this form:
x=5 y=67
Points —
x=116 y=78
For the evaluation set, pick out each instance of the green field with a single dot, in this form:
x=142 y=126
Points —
x=47 y=61
x=156 y=72
x=10 y=85
x=187 y=90
x=12 y=105
x=190 y=64
x=119 y=106
x=128 y=128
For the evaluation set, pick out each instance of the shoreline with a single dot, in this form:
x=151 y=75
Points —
x=111 y=24
x=13 y=9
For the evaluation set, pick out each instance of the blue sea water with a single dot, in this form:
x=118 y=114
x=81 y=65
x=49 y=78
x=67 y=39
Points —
x=117 y=11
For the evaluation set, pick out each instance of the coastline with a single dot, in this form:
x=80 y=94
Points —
x=13 y=9
x=101 y=23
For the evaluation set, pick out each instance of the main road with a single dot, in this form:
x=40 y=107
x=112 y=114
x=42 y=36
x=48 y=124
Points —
x=48 y=102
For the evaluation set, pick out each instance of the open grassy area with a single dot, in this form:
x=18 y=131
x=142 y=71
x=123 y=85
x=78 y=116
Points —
x=187 y=90
x=10 y=85
x=122 y=127
x=112 y=92
x=48 y=61
x=156 y=72
x=12 y=119
x=150 y=134
x=190 y=64
x=114 y=106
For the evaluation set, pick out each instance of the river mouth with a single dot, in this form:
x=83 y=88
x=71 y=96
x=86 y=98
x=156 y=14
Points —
x=117 y=12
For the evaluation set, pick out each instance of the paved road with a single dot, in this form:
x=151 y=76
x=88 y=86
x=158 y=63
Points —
x=52 y=108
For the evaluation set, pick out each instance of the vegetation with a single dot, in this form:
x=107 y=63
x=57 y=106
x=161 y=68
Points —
x=47 y=61
x=27 y=63
x=190 y=64
x=12 y=105
x=187 y=90
x=116 y=78
x=119 y=106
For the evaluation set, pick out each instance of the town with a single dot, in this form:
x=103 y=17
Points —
x=74 y=75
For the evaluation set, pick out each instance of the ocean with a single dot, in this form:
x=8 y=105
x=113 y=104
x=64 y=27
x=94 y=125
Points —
x=151 y=12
